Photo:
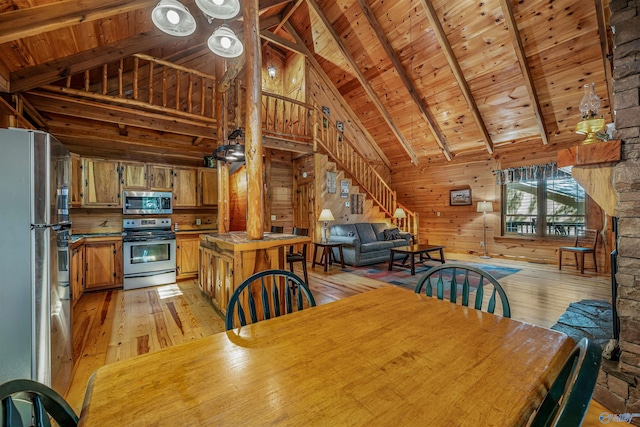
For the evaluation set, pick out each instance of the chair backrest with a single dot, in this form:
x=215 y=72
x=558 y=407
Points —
x=588 y=239
x=27 y=402
x=569 y=397
x=267 y=294
x=297 y=231
x=277 y=229
x=464 y=281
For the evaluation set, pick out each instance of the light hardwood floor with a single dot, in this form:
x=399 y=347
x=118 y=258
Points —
x=117 y=325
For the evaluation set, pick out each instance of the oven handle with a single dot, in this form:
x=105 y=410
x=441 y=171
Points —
x=147 y=239
x=150 y=273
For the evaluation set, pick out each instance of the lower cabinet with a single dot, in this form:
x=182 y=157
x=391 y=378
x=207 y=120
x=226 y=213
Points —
x=103 y=264
x=216 y=277
x=187 y=255
x=77 y=273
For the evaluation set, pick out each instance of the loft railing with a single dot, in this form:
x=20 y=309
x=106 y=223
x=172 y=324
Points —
x=146 y=82
x=347 y=156
x=286 y=118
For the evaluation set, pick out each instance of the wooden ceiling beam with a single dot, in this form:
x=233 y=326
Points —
x=302 y=48
x=457 y=71
x=31 y=21
x=363 y=81
x=408 y=83
x=607 y=57
x=282 y=42
x=286 y=15
x=64 y=105
x=524 y=67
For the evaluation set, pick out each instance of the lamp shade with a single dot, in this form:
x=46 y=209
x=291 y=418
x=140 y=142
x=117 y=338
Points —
x=225 y=43
x=171 y=17
x=399 y=213
x=326 y=215
x=485 y=207
x=220 y=9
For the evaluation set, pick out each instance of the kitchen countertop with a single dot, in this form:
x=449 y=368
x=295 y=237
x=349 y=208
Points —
x=76 y=237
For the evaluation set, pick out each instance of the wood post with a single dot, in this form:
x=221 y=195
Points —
x=253 y=121
x=223 y=167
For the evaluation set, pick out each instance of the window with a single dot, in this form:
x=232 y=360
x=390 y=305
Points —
x=552 y=206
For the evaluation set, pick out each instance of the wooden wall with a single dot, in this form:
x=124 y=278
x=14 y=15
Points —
x=426 y=188
x=278 y=193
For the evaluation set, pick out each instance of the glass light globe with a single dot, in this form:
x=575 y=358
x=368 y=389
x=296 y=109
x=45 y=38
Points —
x=225 y=42
x=218 y=2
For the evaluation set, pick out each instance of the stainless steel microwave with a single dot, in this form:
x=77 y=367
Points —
x=146 y=202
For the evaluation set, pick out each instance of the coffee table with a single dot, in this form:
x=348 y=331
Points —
x=412 y=251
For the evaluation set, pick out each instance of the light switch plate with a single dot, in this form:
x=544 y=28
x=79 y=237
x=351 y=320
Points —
x=273 y=217
x=347 y=204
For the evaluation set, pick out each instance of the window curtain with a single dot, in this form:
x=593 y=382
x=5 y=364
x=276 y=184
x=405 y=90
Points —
x=530 y=173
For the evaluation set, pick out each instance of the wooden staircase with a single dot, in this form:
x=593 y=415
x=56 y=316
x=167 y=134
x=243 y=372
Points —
x=347 y=157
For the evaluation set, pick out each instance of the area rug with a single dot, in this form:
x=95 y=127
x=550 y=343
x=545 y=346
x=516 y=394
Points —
x=401 y=276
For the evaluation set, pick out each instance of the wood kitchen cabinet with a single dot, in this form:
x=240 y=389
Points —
x=77 y=273
x=103 y=264
x=76 y=181
x=101 y=183
x=187 y=247
x=208 y=182
x=185 y=187
x=142 y=176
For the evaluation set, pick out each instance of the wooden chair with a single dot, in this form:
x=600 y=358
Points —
x=459 y=280
x=301 y=257
x=265 y=295
x=30 y=403
x=277 y=229
x=569 y=397
x=585 y=244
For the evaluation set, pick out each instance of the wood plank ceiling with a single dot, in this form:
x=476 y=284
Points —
x=429 y=80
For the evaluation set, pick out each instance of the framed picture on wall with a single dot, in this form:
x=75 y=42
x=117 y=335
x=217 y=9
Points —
x=340 y=126
x=326 y=111
x=460 y=197
x=331 y=182
x=344 y=189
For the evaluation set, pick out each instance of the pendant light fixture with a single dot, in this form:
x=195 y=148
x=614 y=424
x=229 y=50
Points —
x=219 y=9
x=231 y=152
x=171 y=17
x=225 y=43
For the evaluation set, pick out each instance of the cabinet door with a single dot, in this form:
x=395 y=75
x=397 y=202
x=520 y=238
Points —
x=184 y=187
x=101 y=182
x=160 y=178
x=187 y=255
x=100 y=265
x=208 y=187
x=76 y=181
x=134 y=176
x=77 y=273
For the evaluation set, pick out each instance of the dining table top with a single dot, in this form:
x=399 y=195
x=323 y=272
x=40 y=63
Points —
x=384 y=357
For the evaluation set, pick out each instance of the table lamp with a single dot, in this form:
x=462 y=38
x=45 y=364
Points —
x=485 y=207
x=398 y=215
x=325 y=216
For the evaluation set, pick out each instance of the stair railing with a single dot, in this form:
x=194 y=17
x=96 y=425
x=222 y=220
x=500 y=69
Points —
x=346 y=155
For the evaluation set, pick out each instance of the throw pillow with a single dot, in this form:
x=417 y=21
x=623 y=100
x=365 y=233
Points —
x=392 y=234
x=351 y=234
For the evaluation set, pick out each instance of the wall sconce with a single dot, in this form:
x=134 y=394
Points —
x=590 y=125
x=271 y=70
x=171 y=17
x=325 y=216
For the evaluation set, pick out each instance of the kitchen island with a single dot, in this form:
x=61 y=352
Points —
x=226 y=259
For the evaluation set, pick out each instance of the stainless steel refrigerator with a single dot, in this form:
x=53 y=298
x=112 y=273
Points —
x=35 y=310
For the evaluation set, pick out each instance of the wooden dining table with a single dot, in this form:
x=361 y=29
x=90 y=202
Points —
x=385 y=357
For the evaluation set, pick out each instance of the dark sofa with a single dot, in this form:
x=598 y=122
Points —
x=366 y=243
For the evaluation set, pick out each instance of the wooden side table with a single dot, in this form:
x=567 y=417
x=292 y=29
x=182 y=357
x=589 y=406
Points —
x=327 y=257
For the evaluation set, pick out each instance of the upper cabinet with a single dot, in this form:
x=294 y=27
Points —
x=101 y=183
x=208 y=187
x=185 y=187
x=160 y=177
x=140 y=176
x=76 y=181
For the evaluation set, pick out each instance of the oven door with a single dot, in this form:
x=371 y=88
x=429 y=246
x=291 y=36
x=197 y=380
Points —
x=149 y=256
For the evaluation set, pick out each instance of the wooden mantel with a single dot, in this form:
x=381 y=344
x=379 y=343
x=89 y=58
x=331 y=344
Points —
x=593 y=170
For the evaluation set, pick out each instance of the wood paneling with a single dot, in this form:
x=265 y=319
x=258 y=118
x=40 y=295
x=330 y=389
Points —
x=238 y=200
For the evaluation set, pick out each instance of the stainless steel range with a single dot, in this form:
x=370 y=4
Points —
x=149 y=248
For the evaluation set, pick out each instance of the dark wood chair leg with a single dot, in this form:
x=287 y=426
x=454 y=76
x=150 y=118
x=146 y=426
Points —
x=595 y=262
x=582 y=263
x=560 y=261
x=304 y=270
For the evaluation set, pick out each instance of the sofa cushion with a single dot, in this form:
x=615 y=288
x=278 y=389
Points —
x=375 y=246
x=392 y=234
x=343 y=230
x=378 y=228
x=366 y=233
x=399 y=242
